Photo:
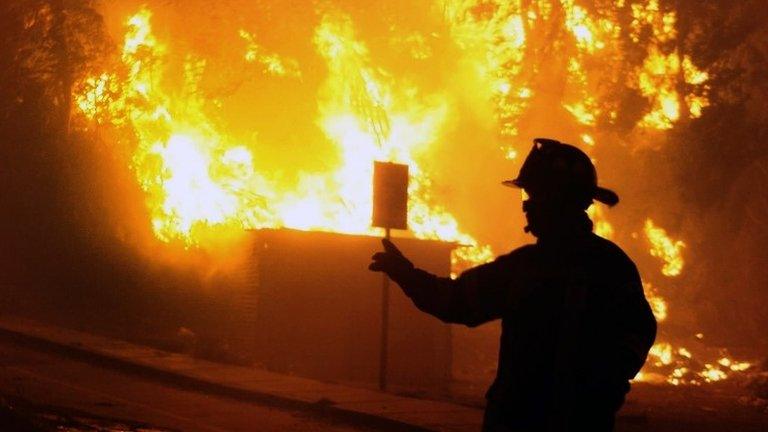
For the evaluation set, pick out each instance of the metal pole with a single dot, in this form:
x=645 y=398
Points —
x=383 y=350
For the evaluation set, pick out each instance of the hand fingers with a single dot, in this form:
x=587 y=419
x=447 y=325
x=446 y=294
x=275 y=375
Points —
x=381 y=261
x=380 y=256
x=384 y=260
x=390 y=247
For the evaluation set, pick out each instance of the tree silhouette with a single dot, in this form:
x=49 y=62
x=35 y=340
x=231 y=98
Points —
x=47 y=45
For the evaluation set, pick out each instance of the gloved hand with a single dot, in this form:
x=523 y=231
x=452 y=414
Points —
x=391 y=261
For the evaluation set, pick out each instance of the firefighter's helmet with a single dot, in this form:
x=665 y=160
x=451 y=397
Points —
x=561 y=170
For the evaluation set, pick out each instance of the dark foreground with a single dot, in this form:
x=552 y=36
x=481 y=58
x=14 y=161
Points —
x=42 y=390
x=727 y=406
x=45 y=392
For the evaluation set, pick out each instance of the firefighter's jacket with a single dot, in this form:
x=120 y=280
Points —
x=576 y=325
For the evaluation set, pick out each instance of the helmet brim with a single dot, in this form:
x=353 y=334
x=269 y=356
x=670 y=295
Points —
x=606 y=196
x=513 y=183
x=601 y=194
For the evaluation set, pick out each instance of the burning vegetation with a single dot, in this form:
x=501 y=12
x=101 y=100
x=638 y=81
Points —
x=608 y=76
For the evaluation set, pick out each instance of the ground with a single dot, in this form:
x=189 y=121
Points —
x=42 y=391
x=45 y=390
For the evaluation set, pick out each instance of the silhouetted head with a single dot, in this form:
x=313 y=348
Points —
x=560 y=182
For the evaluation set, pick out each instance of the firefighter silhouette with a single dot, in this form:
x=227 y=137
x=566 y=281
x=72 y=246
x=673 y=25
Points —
x=576 y=326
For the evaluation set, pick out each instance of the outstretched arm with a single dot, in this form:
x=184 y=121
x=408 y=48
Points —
x=477 y=296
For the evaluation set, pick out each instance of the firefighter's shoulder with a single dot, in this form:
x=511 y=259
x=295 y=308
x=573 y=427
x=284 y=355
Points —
x=612 y=256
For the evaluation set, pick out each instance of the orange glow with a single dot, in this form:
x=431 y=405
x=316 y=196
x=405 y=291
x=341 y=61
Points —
x=203 y=181
x=198 y=180
x=186 y=162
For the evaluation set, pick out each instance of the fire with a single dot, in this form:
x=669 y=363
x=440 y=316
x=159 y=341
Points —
x=501 y=41
x=657 y=302
x=658 y=78
x=493 y=39
x=664 y=355
x=198 y=180
x=734 y=366
x=193 y=175
x=712 y=373
x=656 y=83
x=661 y=353
x=670 y=251
x=602 y=227
x=272 y=64
x=694 y=76
x=380 y=124
x=202 y=183
x=684 y=370
x=184 y=160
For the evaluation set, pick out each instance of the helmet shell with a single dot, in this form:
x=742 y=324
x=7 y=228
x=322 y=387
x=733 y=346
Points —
x=563 y=171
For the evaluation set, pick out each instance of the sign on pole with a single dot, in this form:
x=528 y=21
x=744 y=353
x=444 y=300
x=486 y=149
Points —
x=390 y=210
x=390 y=195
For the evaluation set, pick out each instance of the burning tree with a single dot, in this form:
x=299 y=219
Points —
x=51 y=45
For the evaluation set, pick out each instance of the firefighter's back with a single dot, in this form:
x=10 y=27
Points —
x=561 y=335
